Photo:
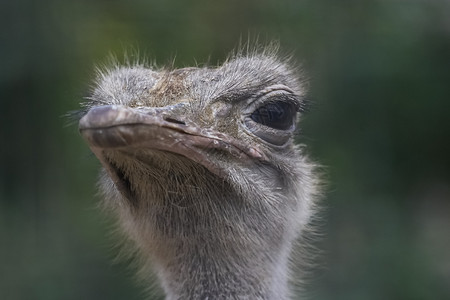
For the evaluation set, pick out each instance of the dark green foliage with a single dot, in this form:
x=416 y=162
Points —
x=380 y=80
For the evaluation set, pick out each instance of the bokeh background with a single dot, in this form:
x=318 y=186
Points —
x=380 y=81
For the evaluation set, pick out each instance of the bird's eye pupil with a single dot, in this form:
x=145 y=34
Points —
x=277 y=115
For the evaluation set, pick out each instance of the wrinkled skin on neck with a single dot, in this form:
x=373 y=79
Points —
x=206 y=200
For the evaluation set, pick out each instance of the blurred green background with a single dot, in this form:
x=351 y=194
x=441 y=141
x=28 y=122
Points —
x=380 y=79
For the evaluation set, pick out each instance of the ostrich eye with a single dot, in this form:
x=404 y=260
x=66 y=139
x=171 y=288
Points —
x=273 y=122
x=278 y=115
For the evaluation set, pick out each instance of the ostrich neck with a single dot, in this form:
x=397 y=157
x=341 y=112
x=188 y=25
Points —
x=221 y=251
x=207 y=239
x=203 y=266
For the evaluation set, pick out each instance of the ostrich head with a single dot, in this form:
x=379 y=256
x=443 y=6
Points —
x=201 y=171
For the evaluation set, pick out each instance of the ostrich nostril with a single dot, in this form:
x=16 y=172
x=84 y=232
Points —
x=172 y=120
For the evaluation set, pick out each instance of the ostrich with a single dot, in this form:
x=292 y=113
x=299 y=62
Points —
x=201 y=171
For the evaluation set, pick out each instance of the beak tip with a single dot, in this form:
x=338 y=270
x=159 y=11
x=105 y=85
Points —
x=99 y=116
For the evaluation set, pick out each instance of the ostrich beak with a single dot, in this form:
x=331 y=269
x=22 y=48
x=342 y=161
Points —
x=114 y=127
